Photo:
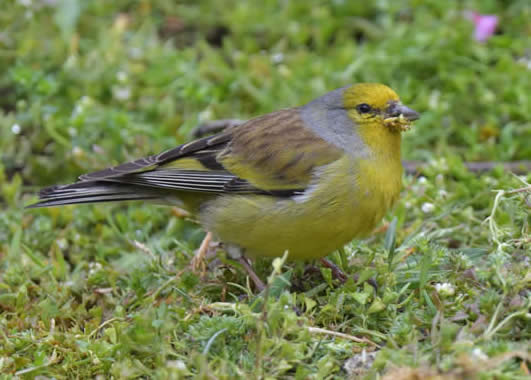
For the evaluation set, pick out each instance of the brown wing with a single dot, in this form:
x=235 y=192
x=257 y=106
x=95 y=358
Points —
x=276 y=151
x=273 y=154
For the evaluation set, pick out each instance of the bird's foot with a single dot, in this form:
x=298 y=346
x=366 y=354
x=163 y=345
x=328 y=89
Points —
x=336 y=272
x=198 y=262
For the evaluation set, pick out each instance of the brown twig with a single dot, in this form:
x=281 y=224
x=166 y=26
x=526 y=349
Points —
x=411 y=167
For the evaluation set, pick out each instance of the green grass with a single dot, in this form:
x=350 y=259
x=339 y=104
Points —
x=104 y=290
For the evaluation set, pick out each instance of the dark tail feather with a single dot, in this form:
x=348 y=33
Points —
x=92 y=192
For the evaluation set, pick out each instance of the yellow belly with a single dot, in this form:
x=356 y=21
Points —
x=341 y=207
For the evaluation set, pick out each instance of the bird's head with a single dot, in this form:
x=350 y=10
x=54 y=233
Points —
x=378 y=105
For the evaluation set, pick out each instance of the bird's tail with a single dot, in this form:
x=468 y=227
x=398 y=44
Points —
x=92 y=192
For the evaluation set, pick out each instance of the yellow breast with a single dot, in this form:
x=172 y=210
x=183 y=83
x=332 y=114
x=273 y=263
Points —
x=379 y=187
x=350 y=198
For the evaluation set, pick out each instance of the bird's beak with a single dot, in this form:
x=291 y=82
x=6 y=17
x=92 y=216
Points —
x=396 y=109
x=398 y=117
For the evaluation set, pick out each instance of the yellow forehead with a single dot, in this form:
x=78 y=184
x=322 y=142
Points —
x=374 y=94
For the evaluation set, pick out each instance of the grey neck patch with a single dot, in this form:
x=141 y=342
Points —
x=328 y=119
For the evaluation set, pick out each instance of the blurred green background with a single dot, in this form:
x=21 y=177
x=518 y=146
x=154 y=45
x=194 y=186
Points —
x=85 y=84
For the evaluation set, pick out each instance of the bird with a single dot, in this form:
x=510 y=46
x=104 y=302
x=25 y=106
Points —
x=304 y=180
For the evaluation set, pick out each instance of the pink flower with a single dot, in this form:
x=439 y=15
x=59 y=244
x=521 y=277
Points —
x=485 y=25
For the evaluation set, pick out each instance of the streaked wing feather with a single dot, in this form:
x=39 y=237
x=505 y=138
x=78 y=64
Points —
x=90 y=192
x=152 y=162
x=188 y=180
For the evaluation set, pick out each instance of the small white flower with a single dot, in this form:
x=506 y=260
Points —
x=121 y=76
x=427 y=207
x=422 y=180
x=78 y=108
x=81 y=105
x=121 y=93
x=97 y=149
x=443 y=193
x=77 y=151
x=524 y=61
x=94 y=268
x=62 y=243
x=479 y=354
x=177 y=364
x=15 y=128
x=490 y=180
x=445 y=289
x=277 y=58
x=205 y=115
x=85 y=99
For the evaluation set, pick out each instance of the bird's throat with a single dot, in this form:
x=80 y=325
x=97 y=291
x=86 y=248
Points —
x=383 y=143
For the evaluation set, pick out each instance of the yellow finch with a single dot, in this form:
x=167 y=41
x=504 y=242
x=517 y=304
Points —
x=306 y=179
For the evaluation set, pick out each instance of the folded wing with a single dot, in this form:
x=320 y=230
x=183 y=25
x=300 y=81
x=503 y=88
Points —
x=271 y=155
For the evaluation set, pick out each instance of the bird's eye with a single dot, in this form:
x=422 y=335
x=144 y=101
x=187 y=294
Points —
x=363 y=108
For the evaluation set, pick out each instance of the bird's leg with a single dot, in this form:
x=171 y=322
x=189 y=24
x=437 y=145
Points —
x=252 y=274
x=198 y=261
x=236 y=253
x=180 y=213
x=336 y=272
